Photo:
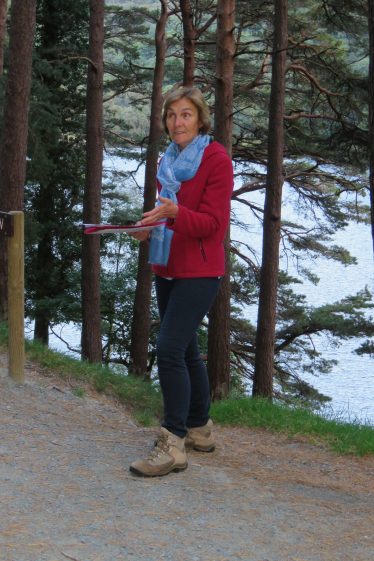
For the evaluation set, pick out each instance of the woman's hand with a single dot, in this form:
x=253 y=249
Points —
x=141 y=236
x=167 y=209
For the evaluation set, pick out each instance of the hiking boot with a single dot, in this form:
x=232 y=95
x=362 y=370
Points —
x=201 y=438
x=168 y=455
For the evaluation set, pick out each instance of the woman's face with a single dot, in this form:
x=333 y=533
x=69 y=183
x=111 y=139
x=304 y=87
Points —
x=182 y=121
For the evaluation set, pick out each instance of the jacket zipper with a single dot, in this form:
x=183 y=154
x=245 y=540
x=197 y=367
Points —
x=202 y=250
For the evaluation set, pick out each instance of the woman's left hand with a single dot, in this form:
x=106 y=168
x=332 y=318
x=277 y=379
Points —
x=167 y=209
x=140 y=236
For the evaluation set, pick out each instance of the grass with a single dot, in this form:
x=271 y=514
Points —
x=142 y=398
x=144 y=402
x=79 y=392
x=344 y=438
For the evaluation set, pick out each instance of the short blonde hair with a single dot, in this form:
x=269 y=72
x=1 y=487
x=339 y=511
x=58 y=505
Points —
x=196 y=97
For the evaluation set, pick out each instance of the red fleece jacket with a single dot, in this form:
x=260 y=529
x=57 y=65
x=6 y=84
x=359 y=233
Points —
x=202 y=220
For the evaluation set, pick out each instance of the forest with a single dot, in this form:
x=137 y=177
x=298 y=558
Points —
x=290 y=86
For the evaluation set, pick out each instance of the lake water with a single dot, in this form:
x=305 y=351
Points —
x=351 y=382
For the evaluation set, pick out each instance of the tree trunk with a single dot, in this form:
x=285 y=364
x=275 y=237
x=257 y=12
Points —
x=3 y=14
x=141 y=321
x=189 y=43
x=91 y=317
x=16 y=108
x=264 y=359
x=219 y=316
x=371 y=112
x=45 y=267
x=41 y=329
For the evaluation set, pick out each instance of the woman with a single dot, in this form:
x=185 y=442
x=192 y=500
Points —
x=195 y=181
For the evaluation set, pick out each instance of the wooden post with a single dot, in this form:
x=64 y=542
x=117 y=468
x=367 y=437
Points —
x=16 y=306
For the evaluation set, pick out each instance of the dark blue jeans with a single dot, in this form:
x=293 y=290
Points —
x=182 y=304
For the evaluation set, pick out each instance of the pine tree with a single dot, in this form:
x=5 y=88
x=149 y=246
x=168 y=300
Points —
x=140 y=327
x=371 y=112
x=15 y=129
x=219 y=315
x=91 y=313
x=264 y=366
x=56 y=171
x=3 y=15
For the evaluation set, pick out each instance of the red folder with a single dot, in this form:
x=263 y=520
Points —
x=112 y=228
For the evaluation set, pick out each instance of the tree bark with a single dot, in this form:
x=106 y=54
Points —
x=265 y=336
x=219 y=316
x=189 y=43
x=3 y=14
x=16 y=108
x=371 y=113
x=91 y=317
x=141 y=322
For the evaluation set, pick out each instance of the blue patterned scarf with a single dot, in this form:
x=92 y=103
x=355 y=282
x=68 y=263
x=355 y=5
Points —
x=176 y=166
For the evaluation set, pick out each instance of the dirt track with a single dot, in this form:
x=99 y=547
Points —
x=66 y=492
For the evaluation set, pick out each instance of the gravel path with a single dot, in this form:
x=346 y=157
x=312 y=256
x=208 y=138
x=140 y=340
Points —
x=66 y=492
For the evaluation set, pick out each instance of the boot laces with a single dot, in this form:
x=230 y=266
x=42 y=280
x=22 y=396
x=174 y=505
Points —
x=161 y=447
